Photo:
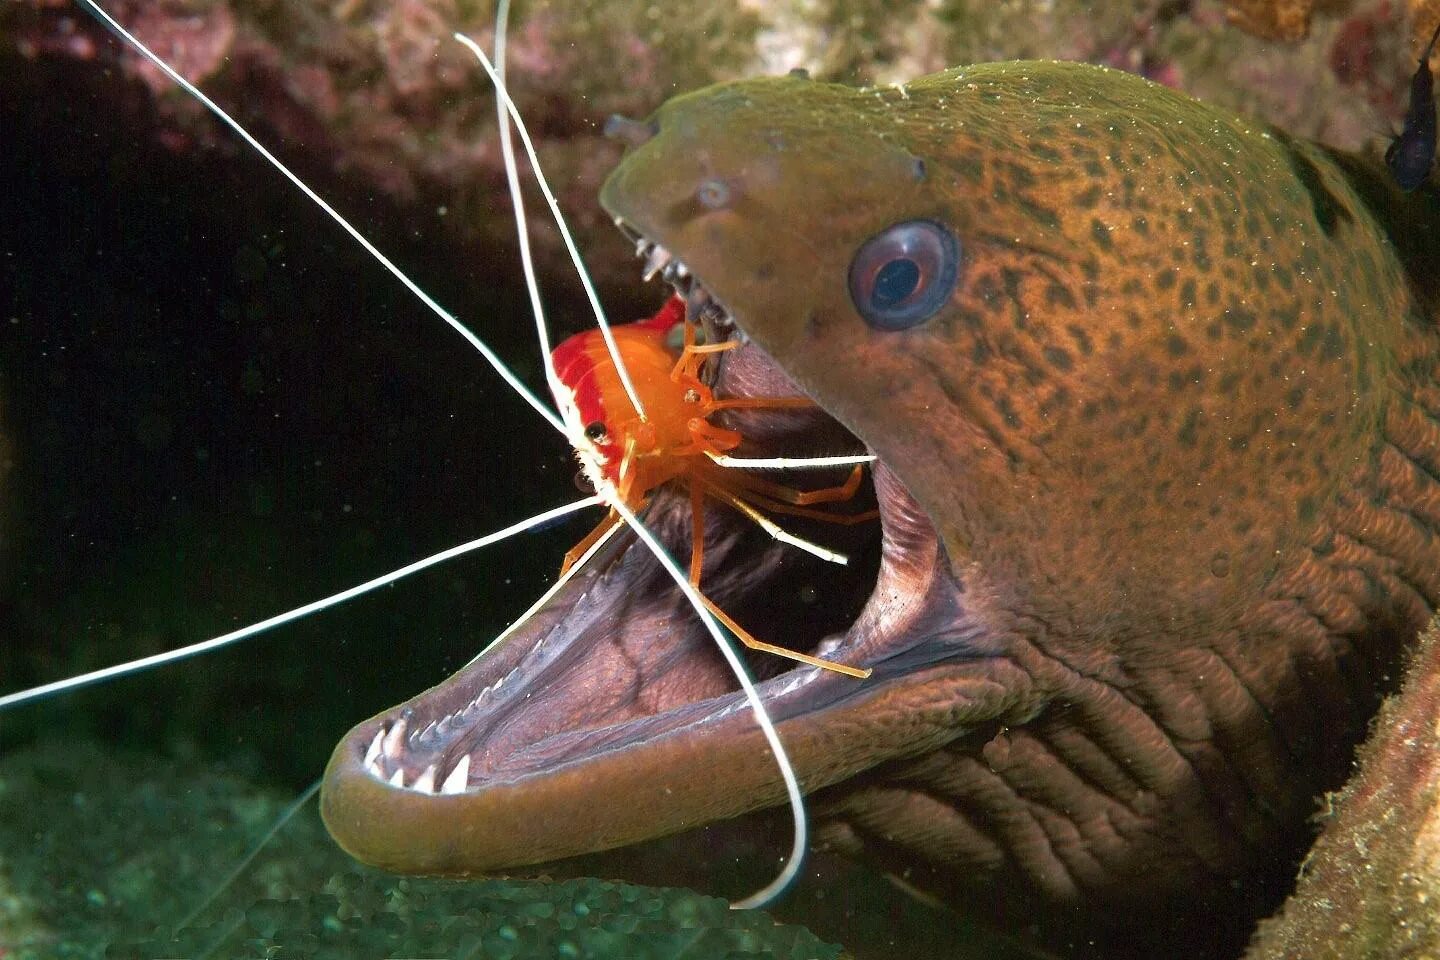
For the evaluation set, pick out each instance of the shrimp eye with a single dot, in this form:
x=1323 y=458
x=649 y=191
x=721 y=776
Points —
x=595 y=431
x=904 y=274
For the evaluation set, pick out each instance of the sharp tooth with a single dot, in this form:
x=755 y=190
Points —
x=373 y=768
x=681 y=270
x=397 y=779
x=642 y=247
x=393 y=738
x=655 y=262
x=425 y=783
x=372 y=752
x=695 y=302
x=459 y=777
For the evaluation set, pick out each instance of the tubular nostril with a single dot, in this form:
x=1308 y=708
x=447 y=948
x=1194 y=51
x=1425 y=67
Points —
x=713 y=194
x=631 y=132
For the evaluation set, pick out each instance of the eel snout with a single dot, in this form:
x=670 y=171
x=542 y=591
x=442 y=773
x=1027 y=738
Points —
x=609 y=718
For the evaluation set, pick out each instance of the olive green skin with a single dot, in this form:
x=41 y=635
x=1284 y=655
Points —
x=1159 y=368
x=1175 y=430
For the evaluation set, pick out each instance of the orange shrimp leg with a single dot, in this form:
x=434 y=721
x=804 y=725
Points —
x=786 y=500
x=770 y=526
x=799 y=498
x=741 y=634
x=825 y=516
x=697 y=553
x=612 y=519
x=763 y=403
x=697 y=533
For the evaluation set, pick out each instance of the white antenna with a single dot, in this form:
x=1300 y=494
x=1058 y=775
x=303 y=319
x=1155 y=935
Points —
x=425 y=298
x=517 y=202
x=787 y=874
x=315 y=606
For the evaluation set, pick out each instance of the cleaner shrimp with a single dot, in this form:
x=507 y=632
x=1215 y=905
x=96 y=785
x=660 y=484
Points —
x=624 y=496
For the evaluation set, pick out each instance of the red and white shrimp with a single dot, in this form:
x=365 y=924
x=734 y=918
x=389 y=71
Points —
x=677 y=442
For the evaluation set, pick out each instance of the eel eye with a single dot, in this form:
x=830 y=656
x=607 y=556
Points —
x=595 y=431
x=904 y=274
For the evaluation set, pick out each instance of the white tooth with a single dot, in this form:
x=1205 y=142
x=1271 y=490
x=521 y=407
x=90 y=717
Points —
x=397 y=779
x=655 y=263
x=426 y=732
x=642 y=247
x=459 y=777
x=372 y=752
x=391 y=744
x=681 y=270
x=425 y=783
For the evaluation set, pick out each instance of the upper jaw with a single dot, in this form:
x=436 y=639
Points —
x=701 y=306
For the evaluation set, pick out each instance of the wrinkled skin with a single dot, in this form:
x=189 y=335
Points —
x=1157 y=491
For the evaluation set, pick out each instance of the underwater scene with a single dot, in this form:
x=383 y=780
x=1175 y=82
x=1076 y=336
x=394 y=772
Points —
x=1000 y=519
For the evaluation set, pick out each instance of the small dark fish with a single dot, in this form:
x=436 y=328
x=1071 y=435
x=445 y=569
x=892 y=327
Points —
x=1412 y=151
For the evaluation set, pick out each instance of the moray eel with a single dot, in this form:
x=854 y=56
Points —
x=1153 y=393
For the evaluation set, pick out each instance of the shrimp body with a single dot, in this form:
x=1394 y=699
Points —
x=675 y=440
x=638 y=454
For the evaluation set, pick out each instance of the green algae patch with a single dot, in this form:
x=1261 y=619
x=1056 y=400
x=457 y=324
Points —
x=124 y=856
x=361 y=914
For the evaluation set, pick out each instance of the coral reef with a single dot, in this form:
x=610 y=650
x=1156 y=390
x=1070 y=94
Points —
x=379 y=99
x=1272 y=19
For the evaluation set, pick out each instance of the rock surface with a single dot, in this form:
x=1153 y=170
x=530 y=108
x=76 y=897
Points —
x=1371 y=884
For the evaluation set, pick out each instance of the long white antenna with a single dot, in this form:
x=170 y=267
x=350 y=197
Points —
x=425 y=298
x=798 y=849
x=234 y=636
x=285 y=817
x=517 y=202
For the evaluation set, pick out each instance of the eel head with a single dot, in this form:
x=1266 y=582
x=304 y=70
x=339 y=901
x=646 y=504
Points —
x=1125 y=458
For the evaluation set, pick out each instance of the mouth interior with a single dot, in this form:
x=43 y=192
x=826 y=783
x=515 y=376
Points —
x=617 y=657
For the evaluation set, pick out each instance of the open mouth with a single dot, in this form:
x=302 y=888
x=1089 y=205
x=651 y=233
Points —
x=615 y=676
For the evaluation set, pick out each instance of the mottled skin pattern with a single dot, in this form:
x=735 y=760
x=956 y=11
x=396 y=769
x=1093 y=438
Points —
x=1175 y=432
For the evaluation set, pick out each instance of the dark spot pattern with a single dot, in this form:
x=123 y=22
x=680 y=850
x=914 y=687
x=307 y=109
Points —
x=1170 y=408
